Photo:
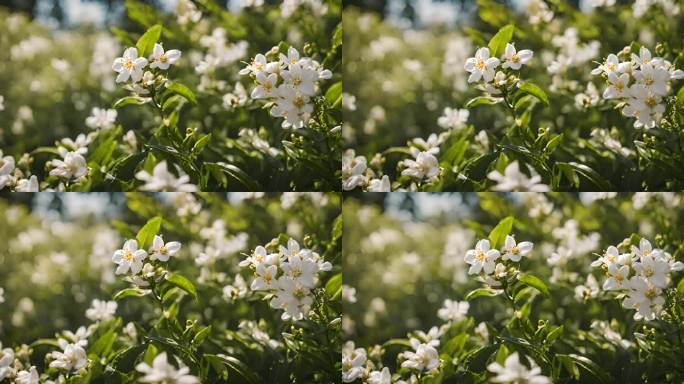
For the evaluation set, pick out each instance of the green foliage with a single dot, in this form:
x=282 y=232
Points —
x=498 y=42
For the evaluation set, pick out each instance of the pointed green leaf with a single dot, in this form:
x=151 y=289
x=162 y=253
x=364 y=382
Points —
x=497 y=44
x=499 y=233
x=146 y=42
x=147 y=232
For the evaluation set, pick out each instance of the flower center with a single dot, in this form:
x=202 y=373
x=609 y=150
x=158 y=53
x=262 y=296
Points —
x=128 y=64
x=515 y=250
x=610 y=66
x=298 y=293
x=651 y=293
x=481 y=257
x=163 y=250
x=296 y=80
x=163 y=58
x=515 y=58
x=128 y=256
x=648 y=80
x=296 y=272
x=299 y=101
x=648 y=271
x=651 y=102
x=480 y=64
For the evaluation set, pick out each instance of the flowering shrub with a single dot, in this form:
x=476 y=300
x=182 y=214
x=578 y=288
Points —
x=158 y=294
x=163 y=106
x=514 y=288
x=508 y=97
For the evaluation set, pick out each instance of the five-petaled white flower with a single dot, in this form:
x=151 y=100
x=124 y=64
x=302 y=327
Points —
x=380 y=377
x=513 y=371
x=513 y=251
x=266 y=86
x=162 y=251
x=618 y=277
x=101 y=310
x=162 y=372
x=73 y=165
x=645 y=297
x=294 y=298
x=481 y=66
x=101 y=118
x=72 y=357
x=379 y=185
x=353 y=361
x=424 y=357
x=425 y=165
x=265 y=277
x=453 y=310
x=162 y=179
x=28 y=377
x=482 y=258
x=515 y=60
x=129 y=258
x=513 y=179
x=6 y=362
x=163 y=60
x=129 y=66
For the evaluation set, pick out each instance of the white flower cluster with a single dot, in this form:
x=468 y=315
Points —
x=162 y=371
x=513 y=371
x=13 y=178
x=161 y=179
x=355 y=173
x=642 y=274
x=639 y=85
x=488 y=263
x=483 y=67
x=289 y=83
x=513 y=179
x=131 y=67
x=131 y=259
x=290 y=274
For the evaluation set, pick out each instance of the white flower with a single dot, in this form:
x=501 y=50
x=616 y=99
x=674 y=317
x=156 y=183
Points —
x=259 y=257
x=294 y=298
x=301 y=270
x=617 y=86
x=453 y=118
x=380 y=377
x=73 y=166
x=453 y=310
x=645 y=248
x=482 y=258
x=515 y=180
x=187 y=12
x=618 y=277
x=353 y=169
x=6 y=362
x=515 y=60
x=481 y=66
x=610 y=257
x=28 y=377
x=425 y=357
x=162 y=372
x=645 y=105
x=259 y=64
x=353 y=361
x=654 y=269
x=101 y=310
x=129 y=257
x=537 y=11
x=425 y=165
x=300 y=78
x=293 y=105
x=163 y=60
x=379 y=185
x=266 y=86
x=653 y=78
x=101 y=118
x=6 y=170
x=162 y=179
x=72 y=357
x=161 y=251
x=645 y=298
x=513 y=371
x=611 y=65
x=514 y=251
x=79 y=338
x=644 y=57
x=266 y=277
x=129 y=66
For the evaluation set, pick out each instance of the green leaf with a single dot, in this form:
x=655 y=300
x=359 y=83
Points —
x=497 y=44
x=128 y=292
x=128 y=100
x=148 y=231
x=589 y=366
x=201 y=143
x=334 y=286
x=237 y=174
x=480 y=292
x=201 y=336
x=553 y=143
x=535 y=283
x=235 y=367
x=573 y=169
x=680 y=287
x=45 y=342
x=480 y=100
x=499 y=233
x=334 y=95
x=182 y=283
x=104 y=344
x=535 y=91
x=146 y=42
x=182 y=90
